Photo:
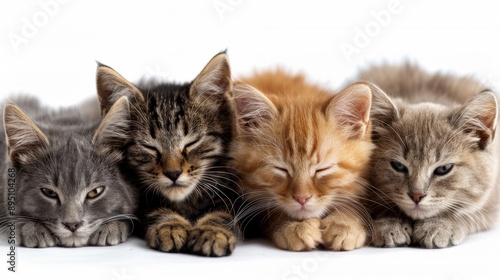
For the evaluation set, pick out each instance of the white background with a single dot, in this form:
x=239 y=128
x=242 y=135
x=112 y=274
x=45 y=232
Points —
x=49 y=49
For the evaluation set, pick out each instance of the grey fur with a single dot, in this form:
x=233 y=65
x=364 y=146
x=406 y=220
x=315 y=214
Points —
x=60 y=152
x=428 y=122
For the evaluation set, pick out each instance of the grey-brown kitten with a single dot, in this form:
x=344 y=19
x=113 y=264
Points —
x=436 y=165
x=62 y=182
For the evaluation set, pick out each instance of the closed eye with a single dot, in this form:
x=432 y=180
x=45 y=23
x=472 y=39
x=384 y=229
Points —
x=282 y=171
x=324 y=170
x=151 y=149
x=190 y=145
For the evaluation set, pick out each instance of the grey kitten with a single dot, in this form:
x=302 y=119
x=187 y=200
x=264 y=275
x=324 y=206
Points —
x=436 y=164
x=178 y=156
x=63 y=166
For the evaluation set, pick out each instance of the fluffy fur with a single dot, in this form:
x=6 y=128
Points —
x=178 y=156
x=66 y=184
x=436 y=165
x=301 y=153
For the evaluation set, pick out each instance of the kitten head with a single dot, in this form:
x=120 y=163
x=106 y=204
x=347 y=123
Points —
x=181 y=133
x=433 y=159
x=302 y=153
x=67 y=178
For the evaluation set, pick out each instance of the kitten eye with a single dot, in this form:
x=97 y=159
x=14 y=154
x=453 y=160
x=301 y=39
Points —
x=282 y=171
x=443 y=169
x=323 y=171
x=399 y=167
x=151 y=148
x=190 y=144
x=95 y=192
x=49 y=193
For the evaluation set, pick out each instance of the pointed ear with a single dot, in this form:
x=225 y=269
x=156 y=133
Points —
x=252 y=107
x=111 y=86
x=25 y=141
x=214 y=79
x=479 y=116
x=383 y=110
x=351 y=108
x=112 y=133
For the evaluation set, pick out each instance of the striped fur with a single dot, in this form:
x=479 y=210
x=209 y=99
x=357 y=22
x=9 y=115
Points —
x=301 y=153
x=178 y=157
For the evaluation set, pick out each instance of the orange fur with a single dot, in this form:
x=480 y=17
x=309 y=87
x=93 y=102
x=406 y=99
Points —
x=301 y=153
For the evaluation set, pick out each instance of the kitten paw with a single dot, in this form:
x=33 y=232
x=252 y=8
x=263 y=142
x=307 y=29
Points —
x=298 y=236
x=343 y=235
x=35 y=235
x=110 y=233
x=438 y=233
x=210 y=240
x=391 y=232
x=168 y=236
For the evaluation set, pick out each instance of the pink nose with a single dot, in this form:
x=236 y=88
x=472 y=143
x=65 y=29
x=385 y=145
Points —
x=416 y=197
x=302 y=199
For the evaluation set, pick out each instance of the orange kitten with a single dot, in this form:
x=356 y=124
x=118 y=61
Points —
x=301 y=153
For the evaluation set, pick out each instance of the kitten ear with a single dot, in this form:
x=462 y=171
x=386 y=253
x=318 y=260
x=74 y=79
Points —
x=112 y=133
x=25 y=141
x=252 y=108
x=215 y=78
x=351 y=108
x=478 y=115
x=383 y=111
x=111 y=86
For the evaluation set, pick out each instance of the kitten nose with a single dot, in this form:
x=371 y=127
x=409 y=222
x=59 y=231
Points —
x=416 y=196
x=173 y=174
x=302 y=199
x=72 y=226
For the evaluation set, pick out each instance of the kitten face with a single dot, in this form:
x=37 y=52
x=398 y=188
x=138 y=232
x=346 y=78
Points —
x=66 y=179
x=175 y=147
x=431 y=159
x=72 y=192
x=181 y=133
x=304 y=171
x=304 y=156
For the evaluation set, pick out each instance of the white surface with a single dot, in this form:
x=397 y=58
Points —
x=175 y=39
x=477 y=258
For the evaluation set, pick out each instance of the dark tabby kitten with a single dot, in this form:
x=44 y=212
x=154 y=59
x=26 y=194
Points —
x=437 y=159
x=68 y=190
x=178 y=156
